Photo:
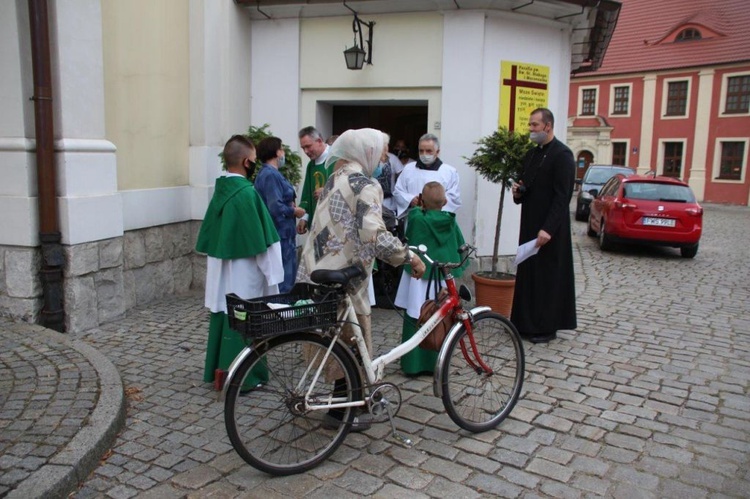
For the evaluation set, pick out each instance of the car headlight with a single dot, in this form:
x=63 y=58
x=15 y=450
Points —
x=586 y=195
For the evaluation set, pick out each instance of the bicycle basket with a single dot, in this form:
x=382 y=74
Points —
x=308 y=307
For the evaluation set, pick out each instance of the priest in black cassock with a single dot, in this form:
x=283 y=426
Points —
x=544 y=299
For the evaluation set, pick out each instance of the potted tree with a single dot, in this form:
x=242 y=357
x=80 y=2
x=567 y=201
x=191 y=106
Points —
x=499 y=159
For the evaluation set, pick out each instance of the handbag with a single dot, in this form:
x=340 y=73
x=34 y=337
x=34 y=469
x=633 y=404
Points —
x=434 y=340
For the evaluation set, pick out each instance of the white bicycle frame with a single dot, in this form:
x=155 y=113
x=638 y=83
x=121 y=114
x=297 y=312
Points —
x=373 y=369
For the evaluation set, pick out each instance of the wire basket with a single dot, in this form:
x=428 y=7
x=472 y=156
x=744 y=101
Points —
x=309 y=307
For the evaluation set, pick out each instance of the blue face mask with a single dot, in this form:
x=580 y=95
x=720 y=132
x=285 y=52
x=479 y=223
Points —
x=282 y=161
x=378 y=171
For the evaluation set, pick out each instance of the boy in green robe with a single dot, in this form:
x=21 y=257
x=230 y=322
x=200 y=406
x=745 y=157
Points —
x=243 y=256
x=429 y=225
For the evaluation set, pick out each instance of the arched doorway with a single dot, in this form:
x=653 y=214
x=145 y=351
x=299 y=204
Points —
x=584 y=159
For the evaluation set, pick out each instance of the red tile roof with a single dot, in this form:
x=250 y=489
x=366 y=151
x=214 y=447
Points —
x=643 y=38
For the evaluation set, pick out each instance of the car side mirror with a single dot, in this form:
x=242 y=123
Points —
x=579 y=181
x=594 y=193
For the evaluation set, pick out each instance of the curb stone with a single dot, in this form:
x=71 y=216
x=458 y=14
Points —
x=81 y=455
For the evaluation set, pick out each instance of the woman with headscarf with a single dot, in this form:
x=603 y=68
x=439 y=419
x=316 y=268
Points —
x=348 y=227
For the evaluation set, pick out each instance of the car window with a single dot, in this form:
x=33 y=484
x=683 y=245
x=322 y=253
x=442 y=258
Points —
x=655 y=191
x=610 y=187
x=601 y=175
x=598 y=176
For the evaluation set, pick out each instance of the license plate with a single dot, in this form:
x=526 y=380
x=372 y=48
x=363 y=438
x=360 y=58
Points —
x=660 y=222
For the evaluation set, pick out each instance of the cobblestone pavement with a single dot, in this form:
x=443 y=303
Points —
x=60 y=405
x=648 y=398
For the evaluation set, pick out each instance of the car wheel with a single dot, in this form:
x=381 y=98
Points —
x=689 y=251
x=579 y=213
x=605 y=244
x=591 y=232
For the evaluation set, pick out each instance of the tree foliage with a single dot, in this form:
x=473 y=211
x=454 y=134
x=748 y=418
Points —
x=293 y=167
x=499 y=159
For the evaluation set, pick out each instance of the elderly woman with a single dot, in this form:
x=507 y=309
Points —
x=348 y=227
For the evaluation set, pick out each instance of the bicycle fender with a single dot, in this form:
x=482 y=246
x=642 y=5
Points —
x=233 y=370
x=437 y=387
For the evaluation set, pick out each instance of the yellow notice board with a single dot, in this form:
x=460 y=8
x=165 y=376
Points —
x=523 y=88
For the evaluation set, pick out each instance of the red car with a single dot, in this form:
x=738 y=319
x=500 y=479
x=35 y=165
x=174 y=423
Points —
x=660 y=211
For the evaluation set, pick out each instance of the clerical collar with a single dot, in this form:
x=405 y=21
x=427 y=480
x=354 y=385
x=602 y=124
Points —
x=433 y=167
x=323 y=157
x=545 y=146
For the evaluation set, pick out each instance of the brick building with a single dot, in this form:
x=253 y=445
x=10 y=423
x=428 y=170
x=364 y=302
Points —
x=672 y=95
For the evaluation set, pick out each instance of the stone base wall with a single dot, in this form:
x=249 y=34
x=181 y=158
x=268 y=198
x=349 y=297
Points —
x=20 y=285
x=104 y=279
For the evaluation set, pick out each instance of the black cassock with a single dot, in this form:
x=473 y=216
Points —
x=544 y=299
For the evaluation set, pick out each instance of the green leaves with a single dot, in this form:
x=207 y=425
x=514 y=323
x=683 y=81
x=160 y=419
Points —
x=499 y=157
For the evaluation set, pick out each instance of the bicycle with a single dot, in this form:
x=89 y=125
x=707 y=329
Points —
x=302 y=371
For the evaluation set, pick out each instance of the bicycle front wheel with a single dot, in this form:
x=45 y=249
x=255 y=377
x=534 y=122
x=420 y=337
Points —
x=269 y=425
x=478 y=399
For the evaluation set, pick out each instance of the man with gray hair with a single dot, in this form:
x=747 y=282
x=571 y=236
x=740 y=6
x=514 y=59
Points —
x=428 y=168
x=316 y=174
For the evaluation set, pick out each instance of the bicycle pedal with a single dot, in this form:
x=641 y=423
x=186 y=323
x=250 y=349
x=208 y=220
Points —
x=403 y=440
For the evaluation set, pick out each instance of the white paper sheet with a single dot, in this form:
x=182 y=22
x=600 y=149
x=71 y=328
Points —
x=525 y=251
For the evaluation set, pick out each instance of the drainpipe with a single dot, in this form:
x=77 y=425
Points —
x=53 y=260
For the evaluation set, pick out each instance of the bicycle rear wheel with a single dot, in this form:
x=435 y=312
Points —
x=474 y=399
x=268 y=425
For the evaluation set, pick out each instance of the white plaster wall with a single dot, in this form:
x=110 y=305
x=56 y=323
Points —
x=462 y=104
x=152 y=207
x=18 y=181
x=407 y=66
x=275 y=77
x=11 y=85
x=407 y=52
x=78 y=68
x=508 y=36
x=220 y=41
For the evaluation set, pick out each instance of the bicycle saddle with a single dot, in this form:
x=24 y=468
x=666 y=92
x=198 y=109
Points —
x=340 y=276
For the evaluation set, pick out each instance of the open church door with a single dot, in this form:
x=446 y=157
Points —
x=406 y=121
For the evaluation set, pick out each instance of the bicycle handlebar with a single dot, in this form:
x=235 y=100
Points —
x=465 y=250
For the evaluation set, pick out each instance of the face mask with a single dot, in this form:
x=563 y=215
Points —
x=250 y=169
x=538 y=137
x=427 y=159
x=378 y=170
x=282 y=161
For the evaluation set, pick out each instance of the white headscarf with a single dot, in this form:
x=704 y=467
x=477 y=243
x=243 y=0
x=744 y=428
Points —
x=363 y=146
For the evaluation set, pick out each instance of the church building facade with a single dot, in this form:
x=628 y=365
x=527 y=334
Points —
x=143 y=95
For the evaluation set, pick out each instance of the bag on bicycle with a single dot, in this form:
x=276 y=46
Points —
x=435 y=339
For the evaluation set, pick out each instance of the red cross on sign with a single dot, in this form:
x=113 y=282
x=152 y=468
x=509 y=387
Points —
x=524 y=88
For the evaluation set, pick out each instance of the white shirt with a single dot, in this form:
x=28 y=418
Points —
x=412 y=180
